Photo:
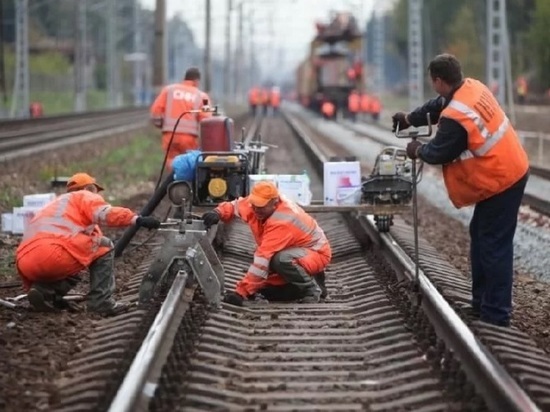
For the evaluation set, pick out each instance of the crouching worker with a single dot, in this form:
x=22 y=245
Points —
x=64 y=238
x=292 y=251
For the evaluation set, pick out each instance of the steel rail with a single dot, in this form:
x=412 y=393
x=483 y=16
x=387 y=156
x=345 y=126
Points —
x=499 y=390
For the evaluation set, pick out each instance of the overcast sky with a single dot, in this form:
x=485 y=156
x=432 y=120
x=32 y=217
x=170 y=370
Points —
x=282 y=28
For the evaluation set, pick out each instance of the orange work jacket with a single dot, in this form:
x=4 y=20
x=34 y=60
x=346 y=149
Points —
x=375 y=106
x=365 y=103
x=71 y=221
x=174 y=100
x=327 y=108
x=495 y=159
x=275 y=99
x=288 y=227
x=354 y=103
x=254 y=96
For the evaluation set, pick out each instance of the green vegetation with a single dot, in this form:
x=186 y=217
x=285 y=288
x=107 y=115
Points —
x=459 y=27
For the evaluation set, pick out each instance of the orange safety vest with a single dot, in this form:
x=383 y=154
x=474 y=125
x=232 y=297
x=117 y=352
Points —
x=375 y=106
x=365 y=103
x=288 y=227
x=353 y=102
x=254 y=96
x=495 y=159
x=71 y=221
x=275 y=99
x=327 y=108
x=174 y=100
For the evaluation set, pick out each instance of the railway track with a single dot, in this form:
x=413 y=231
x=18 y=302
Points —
x=25 y=137
x=373 y=345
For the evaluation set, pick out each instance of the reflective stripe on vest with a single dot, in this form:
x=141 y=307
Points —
x=187 y=126
x=490 y=139
x=57 y=224
x=318 y=239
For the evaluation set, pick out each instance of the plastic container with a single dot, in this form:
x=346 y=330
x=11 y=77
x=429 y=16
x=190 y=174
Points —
x=216 y=134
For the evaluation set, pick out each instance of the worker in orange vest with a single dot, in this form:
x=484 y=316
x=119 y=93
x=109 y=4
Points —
x=275 y=100
x=375 y=108
x=265 y=101
x=328 y=109
x=354 y=104
x=254 y=97
x=171 y=103
x=292 y=252
x=484 y=164
x=521 y=88
x=64 y=238
x=364 y=105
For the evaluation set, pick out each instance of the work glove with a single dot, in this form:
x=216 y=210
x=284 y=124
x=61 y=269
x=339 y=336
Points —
x=400 y=118
x=233 y=298
x=412 y=149
x=210 y=218
x=148 y=222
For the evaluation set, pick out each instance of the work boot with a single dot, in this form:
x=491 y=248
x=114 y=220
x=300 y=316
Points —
x=113 y=309
x=41 y=301
x=312 y=297
x=320 y=279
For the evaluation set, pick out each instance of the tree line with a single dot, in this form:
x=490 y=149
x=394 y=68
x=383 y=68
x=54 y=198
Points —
x=459 y=27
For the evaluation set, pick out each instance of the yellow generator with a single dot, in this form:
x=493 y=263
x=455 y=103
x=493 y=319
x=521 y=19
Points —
x=219 y=177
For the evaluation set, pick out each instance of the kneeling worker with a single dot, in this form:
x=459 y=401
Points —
x=64 y=238
x=292 y=252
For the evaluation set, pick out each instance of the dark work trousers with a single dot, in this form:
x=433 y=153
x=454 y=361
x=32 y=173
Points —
x=492 y=232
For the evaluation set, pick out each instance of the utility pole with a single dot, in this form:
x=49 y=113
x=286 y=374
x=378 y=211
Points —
x=252 y=73
x=416 y=71
x=2 y=64
x=239 y=54
x=207 y=73
x=227 y=68
x=80 y=60
x=159 y=57
x=138 y=64
x=20 y=100
x=112 y=66
x=379 y=53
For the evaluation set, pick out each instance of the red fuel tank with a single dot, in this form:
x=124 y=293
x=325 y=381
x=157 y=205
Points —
x=216 y=134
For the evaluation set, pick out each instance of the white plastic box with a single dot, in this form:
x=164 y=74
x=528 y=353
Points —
x=38 y=200
x=21 y=218
x=7 y=222
x=341 y=183
x=253 y=179
x=295 y=188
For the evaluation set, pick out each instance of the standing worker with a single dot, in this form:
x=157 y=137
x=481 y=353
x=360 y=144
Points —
x=354 y=104
x=484 y=164
x=292 y=252
x=64 y=238
x=275 y=100
x=169 y=105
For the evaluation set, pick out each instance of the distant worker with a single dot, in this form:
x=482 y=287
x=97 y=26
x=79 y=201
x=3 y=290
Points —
x=36 y=110
x=354 y=104
x=484 y=164
x=521 y=88
x=275 y=100
x=375 y=108
x=171 y=103
x=64 y=238
x=364 y=106
x=328 y=109
x=292 y=252
x=254 y=98
x=265 y=101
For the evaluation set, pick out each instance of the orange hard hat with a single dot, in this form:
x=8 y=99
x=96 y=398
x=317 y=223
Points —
x=262 y=193
x=81 y=180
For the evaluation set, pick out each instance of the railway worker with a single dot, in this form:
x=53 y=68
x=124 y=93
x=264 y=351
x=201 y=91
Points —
x=169 y=105
x=64 y=238
x=328 y=109
x=484 y=165
x=365 y=105
x=354 y=105
x=275 y=100
x=292 y=251
x=375 y=108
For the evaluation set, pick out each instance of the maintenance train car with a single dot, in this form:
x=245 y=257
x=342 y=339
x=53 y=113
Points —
x=334 y=66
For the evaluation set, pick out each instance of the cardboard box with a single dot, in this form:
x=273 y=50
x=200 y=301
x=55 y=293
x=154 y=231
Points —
x=21 y=218
x=38 y=200
x=295 y=188
x=341 y=183
x=7 y=222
